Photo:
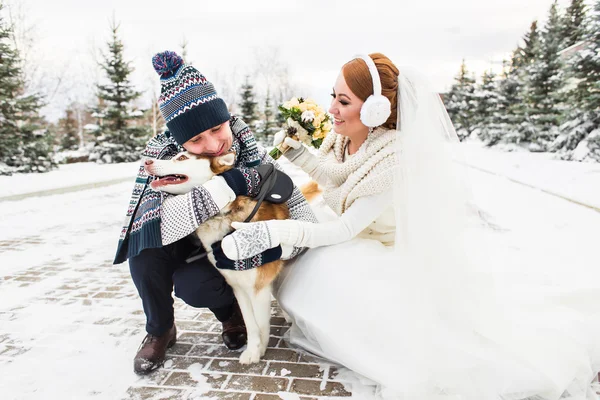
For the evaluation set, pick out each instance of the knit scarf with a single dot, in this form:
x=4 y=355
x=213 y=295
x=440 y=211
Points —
x=141 y=229
x=367 y=172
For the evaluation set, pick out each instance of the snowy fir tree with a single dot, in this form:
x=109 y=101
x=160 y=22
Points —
x=579 y=137
x=510 y=103
x=121 y=136
x=248 y=106
x=25 y=144
x=544 y=98
x=524 y=55
x=69 y=130
x=269 y=125
x=487 y=119
x=574 y=23
x=460 y=102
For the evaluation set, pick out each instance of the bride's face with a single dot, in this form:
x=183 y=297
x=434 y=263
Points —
x=345 y=108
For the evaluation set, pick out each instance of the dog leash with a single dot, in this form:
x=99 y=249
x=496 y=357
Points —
x=269 y=179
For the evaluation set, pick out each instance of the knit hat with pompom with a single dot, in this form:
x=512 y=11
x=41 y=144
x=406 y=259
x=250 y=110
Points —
x=188 y=102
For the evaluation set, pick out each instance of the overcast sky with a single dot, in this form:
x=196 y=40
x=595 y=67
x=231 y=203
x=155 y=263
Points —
x=314 y=38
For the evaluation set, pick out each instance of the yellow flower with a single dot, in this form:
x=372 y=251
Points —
x=317 y=121
x=303 y=106
x=327 y=126
x=318 y=134
x=290 y=104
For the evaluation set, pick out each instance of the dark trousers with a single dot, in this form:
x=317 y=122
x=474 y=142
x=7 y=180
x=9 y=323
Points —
x=156 y=272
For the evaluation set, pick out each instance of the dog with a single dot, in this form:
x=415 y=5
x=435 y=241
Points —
x=252 y=288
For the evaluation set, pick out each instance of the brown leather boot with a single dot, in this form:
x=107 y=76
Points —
x=234 y=330
x=151 y=353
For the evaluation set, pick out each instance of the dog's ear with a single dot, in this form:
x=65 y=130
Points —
x=227 y=160
x=222 y=163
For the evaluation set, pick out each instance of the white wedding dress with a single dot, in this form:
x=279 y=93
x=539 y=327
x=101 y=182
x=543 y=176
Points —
x=537 y=336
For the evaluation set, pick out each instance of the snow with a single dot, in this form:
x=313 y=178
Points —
x=578 y=182
x=66 y=176
x=72 y=356
x=288 y=396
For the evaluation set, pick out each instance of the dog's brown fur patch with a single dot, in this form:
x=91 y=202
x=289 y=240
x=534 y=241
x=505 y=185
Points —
x=216 y=165
x=310 y=190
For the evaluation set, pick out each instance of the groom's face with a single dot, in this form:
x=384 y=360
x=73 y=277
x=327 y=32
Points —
x=212 y=142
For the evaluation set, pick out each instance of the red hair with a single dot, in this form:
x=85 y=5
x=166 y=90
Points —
x=359 y=80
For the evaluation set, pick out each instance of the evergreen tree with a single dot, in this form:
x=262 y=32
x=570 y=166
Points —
x=510 y=105
x=248 y=105
x=461 y=102
x=69 y=130
x=574 y=23
x=119 y=138
x=269 y=125
x=525 y=55
x=487 y=118
x=580 y=134
x=25 y=145
x=544 y=96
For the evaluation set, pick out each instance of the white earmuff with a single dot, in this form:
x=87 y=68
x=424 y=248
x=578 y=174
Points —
x=377 y=108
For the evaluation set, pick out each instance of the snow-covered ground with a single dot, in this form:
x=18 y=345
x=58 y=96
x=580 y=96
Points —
x=73 y=176
x=579 y=182
x=53 y=349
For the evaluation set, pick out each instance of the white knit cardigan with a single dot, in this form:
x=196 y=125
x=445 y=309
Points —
x=367 y=172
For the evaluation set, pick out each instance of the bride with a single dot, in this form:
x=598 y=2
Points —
x=389 y=288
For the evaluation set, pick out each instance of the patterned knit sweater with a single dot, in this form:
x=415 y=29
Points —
x=142 y=227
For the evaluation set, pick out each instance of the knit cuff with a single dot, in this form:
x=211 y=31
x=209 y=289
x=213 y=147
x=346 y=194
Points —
x=293 y=154
x=243 y=181
x=265 y=257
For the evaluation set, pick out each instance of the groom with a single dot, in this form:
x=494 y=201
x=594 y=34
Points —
x=158 y=235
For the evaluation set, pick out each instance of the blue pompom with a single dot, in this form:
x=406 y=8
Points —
x=166 y=63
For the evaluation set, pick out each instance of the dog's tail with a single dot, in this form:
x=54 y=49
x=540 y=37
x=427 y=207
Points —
x=310 y=190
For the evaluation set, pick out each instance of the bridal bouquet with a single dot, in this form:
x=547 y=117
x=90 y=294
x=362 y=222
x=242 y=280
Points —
x=306 y=122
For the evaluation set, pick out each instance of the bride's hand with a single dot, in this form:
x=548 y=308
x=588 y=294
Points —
x=249 y=239
x=281 y=137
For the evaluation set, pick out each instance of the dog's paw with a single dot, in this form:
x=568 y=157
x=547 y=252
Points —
x=263 y=349
x=250 y=356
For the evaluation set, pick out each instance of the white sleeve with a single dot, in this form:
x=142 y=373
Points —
x=359 y=216
x=309 y=163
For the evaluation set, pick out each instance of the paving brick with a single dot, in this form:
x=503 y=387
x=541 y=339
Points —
x=186 y=379
x=180 y=349
x=200 y=338
x=176 y=362
x=257 y=383
x=193 y=326
x=233 y=366
x=281 y=355
x=279 y=321
x=309 y=387
x=143 y=393
x=220 y=395
x=263 y=396
x=214 y=351
x=278 y=330
x=295 y=370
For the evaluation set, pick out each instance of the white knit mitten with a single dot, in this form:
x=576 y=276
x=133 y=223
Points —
x=281 y=137
x=253 y=238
